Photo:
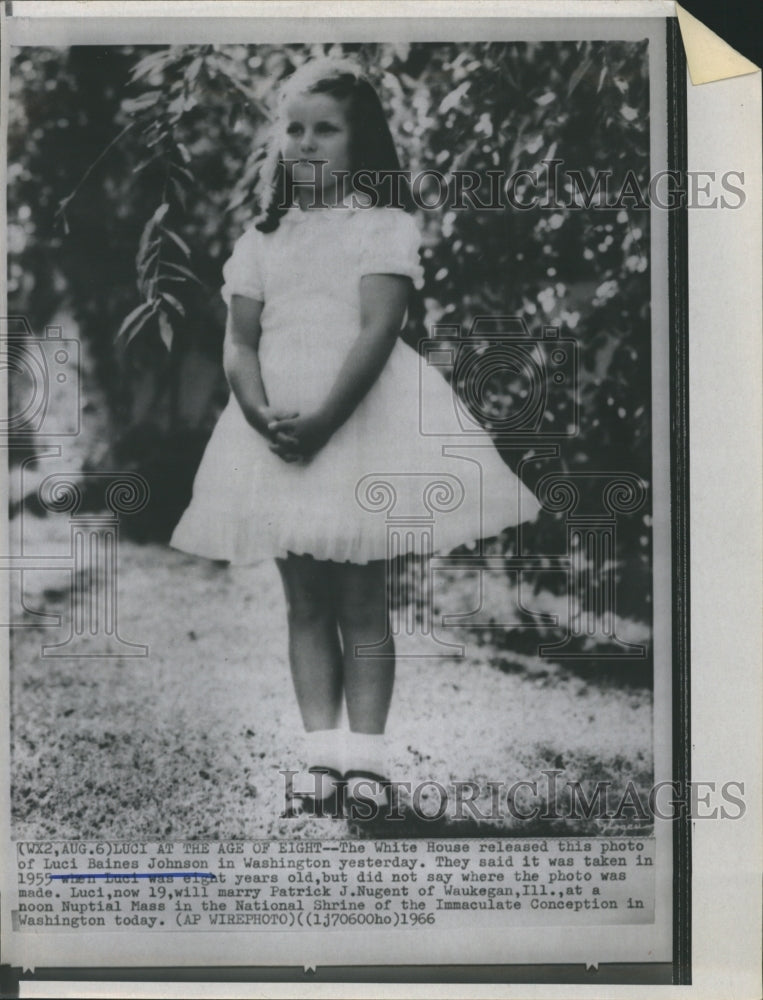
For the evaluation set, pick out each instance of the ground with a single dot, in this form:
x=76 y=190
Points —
x=188 y=741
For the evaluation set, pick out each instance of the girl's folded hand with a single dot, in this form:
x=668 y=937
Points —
x=303 y=435
x=262 y=416
x=279 y=444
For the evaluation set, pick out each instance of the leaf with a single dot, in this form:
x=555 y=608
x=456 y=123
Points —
x=136 y=319
x=176 y=107
x=151 y=62
x=145 y=163
x=148 y=251
x=133 y=105
x=511 y=79
x=193 y=70
x=183 y=150
x=148 y=241
x=453 y=98
x=186 y=272
x=578 y=75
x=144 y=266
x=250 y=96
x=161 y=211
x=135 y=332
x=177 y=240
x=173 y=302
x=161 y=136
x=183 y=171
x=237 y=198
x=179 y=190
x=165 y=331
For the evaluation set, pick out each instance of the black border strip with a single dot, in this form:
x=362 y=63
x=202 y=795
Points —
x=614 y=974
x=678 y=276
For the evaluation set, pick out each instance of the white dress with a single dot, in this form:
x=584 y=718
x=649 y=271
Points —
x=383 y=484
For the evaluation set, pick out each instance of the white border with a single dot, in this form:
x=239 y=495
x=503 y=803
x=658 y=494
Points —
x=725 y=319
x=342 y=8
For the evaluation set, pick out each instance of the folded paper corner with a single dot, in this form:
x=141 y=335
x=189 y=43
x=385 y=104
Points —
x=708 y=57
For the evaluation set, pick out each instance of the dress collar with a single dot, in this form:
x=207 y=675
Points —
x=346 y=207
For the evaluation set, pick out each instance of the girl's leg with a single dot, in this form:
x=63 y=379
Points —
x=361 y=606
x=316 y=669
x=314 y=651
x=361 y=609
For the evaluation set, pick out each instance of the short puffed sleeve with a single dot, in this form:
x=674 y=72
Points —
x=243 y=269
x=390 y=244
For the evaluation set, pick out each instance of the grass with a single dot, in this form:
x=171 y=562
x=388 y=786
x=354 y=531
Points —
x=188 y=742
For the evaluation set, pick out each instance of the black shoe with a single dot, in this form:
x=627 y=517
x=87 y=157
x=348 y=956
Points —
x=329 y=807
x=366 y=810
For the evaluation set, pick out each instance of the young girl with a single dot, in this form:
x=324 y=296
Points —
x=325 y=395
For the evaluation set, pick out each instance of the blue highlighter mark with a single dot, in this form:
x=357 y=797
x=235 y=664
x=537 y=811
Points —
x=76 y=875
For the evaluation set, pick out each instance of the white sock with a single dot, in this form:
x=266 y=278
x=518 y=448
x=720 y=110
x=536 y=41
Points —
x=324 y=748
x=367 y=752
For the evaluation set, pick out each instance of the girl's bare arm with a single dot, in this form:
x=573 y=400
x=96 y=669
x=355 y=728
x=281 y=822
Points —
x=242 y=364
x=383 y=301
